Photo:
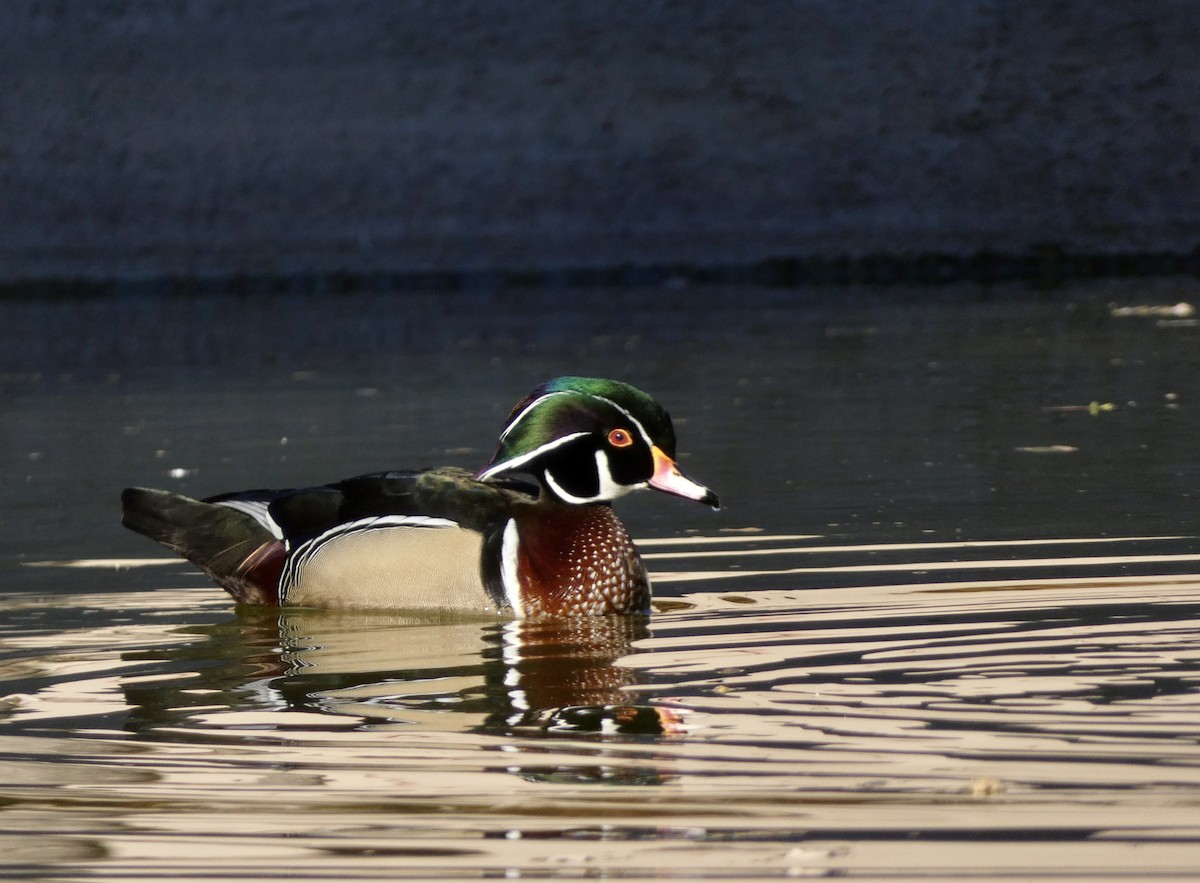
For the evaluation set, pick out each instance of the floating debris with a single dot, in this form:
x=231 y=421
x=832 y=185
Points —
x=1048 y=449
x=1093 y=408
x=985 y=786
x=1181 y=310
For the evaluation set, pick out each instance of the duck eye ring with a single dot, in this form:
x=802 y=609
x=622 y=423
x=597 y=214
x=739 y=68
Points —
x=619 y=438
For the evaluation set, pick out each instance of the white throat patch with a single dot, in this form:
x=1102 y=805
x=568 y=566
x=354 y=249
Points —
x=610 y=489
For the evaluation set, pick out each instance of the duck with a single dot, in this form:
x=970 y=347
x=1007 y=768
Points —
x=530 y=535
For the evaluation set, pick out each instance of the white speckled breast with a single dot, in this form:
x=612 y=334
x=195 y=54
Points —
x=578 y=561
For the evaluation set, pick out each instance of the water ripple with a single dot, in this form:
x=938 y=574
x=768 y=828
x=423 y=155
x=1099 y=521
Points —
x=913 y=728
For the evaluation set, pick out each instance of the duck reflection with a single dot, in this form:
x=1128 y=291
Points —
x=386 y=669
x=559 y=675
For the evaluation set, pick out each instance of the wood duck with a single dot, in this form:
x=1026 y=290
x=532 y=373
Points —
x=531 y=534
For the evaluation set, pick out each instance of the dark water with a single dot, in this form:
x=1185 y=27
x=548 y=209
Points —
x=944 y=627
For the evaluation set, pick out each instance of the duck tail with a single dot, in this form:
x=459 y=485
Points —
x=229 y=545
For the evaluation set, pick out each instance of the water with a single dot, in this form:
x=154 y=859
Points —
x=945 y=627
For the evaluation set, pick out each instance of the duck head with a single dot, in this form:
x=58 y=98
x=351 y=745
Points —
x=588 y=440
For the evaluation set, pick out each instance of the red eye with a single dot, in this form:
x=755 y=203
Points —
x=619 y=438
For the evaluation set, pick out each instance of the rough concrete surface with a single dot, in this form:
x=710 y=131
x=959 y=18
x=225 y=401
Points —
x=195 y=137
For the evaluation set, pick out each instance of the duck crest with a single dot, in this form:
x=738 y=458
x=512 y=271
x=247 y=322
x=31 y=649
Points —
x=577 y=561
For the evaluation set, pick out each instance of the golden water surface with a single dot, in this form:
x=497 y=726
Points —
x=1040 y=727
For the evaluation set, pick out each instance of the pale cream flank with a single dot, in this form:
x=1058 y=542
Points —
x=403 y=568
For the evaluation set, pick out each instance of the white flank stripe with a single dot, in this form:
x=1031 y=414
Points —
x=508 y=568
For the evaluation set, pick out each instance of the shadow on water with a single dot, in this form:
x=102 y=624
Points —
x=946 y=626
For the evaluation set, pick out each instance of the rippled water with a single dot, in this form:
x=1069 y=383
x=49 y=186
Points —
x=947 y=626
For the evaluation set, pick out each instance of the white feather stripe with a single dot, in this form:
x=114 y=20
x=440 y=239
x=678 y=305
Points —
x=509 y=574
x=513 y=463
x=512 y=424
x=259 y=510
x=609 y=488
x=536 y=402
x=632 y=419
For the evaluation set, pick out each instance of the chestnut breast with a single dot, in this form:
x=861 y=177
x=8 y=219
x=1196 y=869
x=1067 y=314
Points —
x=577 y=561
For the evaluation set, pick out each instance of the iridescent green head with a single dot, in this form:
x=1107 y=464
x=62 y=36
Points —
x=588 y=440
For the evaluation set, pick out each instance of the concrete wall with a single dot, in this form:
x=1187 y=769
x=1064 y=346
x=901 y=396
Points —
x=167 y=137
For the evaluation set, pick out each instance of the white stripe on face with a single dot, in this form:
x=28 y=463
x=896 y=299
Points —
x=512 y=425
x=637 y=423
x=609 y=489
x=515 y=462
